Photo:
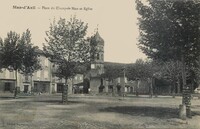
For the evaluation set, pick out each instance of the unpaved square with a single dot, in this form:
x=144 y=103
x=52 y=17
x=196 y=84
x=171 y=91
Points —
x=94 y=112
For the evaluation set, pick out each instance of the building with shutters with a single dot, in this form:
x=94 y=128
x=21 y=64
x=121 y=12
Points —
x=39 y=82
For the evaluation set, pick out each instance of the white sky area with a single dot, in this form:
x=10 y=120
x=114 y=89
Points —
x=116 y=21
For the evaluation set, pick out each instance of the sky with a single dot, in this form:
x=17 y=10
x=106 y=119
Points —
x=116 y=21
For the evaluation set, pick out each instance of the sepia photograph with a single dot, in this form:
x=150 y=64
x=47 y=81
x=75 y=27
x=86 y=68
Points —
x=100 y=64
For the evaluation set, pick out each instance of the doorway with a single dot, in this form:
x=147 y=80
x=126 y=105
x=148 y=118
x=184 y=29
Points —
x=25 y=88
x=59 y=87
x=7 y=86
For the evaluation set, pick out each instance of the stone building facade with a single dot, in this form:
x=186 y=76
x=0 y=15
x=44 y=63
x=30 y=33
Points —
x=42 y=81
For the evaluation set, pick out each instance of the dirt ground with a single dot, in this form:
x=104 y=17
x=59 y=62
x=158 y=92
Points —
x=94 y=112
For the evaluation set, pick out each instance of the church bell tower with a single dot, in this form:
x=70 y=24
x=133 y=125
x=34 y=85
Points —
x=97 y=63
x=98 y=50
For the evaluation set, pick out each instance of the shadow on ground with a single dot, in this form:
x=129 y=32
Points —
x=158 y=112
x=57 y=101
x=6 y=97
x=12 y=98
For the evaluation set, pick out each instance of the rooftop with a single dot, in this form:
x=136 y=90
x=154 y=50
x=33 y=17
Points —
x=98 y=39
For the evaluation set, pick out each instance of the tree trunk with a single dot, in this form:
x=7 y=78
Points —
x=182 y=112
x=155 y=88
x=192 y=87
x=73 y=85
x=65 y=92
x=170 y=89
x=173 y=90
x=15 y=88
x=137 y=88
x=183 y=78
x=151 y=88
x=178 y=86
x=186 y=98
x=32 y=88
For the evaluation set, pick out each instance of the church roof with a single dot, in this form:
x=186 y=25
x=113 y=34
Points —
x=98 y=39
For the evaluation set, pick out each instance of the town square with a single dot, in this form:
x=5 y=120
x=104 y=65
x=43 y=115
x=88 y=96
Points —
x=99 y=64
x=94 y=112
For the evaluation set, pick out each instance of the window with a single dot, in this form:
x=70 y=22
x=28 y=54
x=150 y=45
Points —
x=59 y=88
x=98 y=66
x=44 y=88
x=7 y=86
x=92 y=66
x=98 y=56
x=26 y=78
x=36 y=88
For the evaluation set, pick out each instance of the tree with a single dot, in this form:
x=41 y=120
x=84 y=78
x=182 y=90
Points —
x=12 y=55
x=112 y=71
x=136 y=72
x=153 y=71
x=171 y=71
x=17 y=54
x=30 y=59
x=169 y=30
x=1 y=45
x=143 y=70
x=68 y=48
x=197 y=72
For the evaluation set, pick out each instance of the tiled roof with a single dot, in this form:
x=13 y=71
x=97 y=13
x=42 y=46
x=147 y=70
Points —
x=115 y=63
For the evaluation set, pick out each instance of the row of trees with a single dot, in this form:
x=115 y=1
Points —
x=169 y=31
x=18 y=54
x=149 y=70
